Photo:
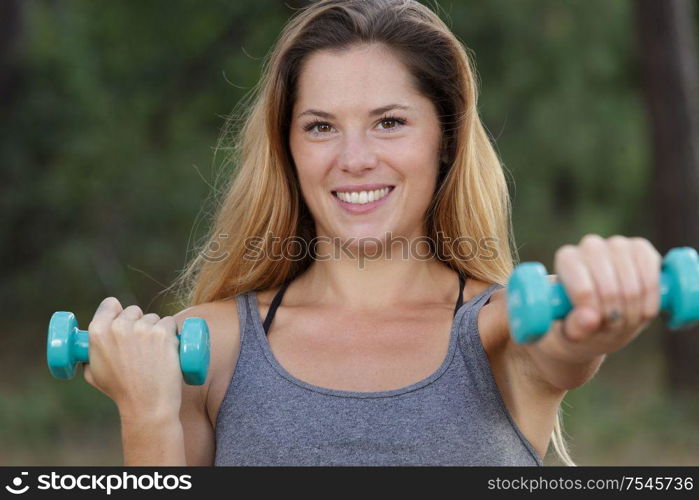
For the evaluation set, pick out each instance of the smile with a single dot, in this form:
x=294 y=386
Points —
x=362 y=197
x=360 y=202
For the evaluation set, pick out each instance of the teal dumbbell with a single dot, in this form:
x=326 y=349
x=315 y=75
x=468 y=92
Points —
x=533 y=302
x=67 y=346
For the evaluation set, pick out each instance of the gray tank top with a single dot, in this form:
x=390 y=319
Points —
x=455 y=416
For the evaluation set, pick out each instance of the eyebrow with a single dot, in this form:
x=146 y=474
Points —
x=373 y=112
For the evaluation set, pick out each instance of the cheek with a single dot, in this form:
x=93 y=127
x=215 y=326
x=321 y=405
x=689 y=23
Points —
x=305 y=160
x=419 y=165
x=310 y=176
x=307 y=155
x=421 y=186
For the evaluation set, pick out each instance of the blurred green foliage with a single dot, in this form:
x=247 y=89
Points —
x=107 y=152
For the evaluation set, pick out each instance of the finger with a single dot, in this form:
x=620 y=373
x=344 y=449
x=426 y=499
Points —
x=580 y=288
x=132 y=312
x=87 y=373
x=629 y=280
x=599 y=262
x=649 y=262
x=146 y=322
x=168 y=321
x=101 y=322
x=167 y=327
x=124 y=323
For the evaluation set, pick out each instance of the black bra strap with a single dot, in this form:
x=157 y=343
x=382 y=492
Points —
x=459 y=303
x=273 y=306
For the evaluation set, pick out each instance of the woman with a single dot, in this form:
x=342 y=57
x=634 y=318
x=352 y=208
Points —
x=356 y=302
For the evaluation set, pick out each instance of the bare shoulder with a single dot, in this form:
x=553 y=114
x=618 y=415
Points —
x=493 y=327
x=200 y=404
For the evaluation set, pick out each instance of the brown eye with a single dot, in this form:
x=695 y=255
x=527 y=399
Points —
x=316 y=124
x=397 y=122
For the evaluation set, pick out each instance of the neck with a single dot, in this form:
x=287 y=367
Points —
x=378 y=284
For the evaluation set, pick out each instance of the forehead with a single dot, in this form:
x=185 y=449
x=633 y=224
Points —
x=368 y=76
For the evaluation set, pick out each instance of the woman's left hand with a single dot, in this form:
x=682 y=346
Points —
x=613 y=286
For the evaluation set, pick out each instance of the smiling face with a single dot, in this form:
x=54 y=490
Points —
x=341 y=140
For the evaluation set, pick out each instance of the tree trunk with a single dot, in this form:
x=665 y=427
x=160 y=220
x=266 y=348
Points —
x=670 y=70
x=10 y=69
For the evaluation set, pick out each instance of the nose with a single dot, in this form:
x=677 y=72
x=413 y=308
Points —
x=357 y=154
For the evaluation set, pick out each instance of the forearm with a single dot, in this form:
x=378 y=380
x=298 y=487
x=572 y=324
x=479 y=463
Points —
x=152 y=441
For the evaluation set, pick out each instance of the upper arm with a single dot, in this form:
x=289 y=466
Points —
x=199 y=439
x=200 y=403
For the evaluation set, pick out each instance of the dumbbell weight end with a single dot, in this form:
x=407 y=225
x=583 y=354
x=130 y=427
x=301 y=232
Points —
x=66 y=345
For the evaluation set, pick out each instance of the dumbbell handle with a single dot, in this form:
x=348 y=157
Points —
x=561 y=304
x=81 y=345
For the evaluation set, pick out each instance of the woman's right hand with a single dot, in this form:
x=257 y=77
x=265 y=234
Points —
x=134 y=360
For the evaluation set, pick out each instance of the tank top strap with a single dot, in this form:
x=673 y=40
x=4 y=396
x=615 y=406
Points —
x=478 y=365
x=460 y=301
x=469 y=335
x=244 y=314
x=470 y=340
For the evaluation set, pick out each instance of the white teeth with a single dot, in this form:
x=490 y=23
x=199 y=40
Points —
x=362 y=197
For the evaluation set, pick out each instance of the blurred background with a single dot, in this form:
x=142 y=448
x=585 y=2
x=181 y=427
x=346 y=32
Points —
x=110 y=114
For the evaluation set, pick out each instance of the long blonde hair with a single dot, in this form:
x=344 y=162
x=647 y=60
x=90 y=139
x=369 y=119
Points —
x=262 y=201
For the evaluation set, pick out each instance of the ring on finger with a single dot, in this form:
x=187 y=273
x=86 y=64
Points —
x=614 y=317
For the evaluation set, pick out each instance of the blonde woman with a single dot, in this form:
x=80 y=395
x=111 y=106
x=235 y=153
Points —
x=356 y=304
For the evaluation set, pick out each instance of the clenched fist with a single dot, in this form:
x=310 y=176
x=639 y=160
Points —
x=613 y=286
x=134 y=360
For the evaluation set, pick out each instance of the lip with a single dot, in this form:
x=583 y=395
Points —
x=356 y=209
